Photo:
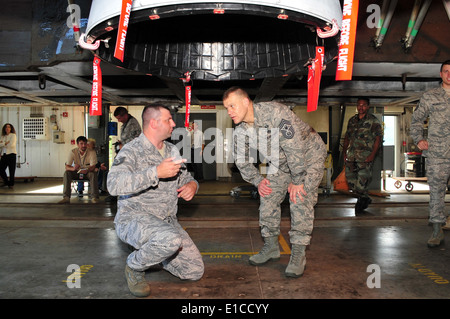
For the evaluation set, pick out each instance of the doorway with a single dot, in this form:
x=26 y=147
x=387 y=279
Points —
x=390 y=145
x=204 y=121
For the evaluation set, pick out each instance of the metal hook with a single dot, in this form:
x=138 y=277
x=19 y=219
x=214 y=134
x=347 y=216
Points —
x=42 y=81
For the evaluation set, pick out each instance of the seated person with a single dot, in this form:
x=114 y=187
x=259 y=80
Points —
x=81 y=165
x=100 y=168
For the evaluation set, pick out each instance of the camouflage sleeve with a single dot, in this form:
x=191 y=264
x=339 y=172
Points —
x=184 y=177
x=350 y=128
x=419 y=116
x=126 y=176
x=293 y=142
x=378 y=128
x=136 y=128
x=132 y=130
x=295 y=155
x=244 y=159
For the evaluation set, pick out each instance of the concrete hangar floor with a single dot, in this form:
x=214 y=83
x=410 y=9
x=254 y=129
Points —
x=381 y=254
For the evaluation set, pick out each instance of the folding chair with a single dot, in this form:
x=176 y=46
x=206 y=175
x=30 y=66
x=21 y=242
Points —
x=75 y=185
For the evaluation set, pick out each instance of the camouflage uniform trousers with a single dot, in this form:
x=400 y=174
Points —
x=302 y=213
x=161 y=241
x=438 y=175
x=359 y=176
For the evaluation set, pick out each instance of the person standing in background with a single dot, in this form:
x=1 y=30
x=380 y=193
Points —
x=361 y=144
x=130 y=128
x=8 y=154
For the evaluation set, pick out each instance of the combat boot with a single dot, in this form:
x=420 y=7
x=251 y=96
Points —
x=297 y=263
x=437 y=236
x=270 y=251
x=366 y=201
x=358 y=206
x=361 y=204
x=136 y=282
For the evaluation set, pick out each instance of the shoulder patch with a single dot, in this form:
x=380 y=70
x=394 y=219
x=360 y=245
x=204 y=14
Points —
x=286 y=129
x=118 y=161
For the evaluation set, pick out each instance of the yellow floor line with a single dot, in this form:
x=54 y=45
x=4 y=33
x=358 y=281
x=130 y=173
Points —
x=285 y=250
x=284 y=245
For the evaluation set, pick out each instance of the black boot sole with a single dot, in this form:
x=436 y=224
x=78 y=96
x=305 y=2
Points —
x=256 y=264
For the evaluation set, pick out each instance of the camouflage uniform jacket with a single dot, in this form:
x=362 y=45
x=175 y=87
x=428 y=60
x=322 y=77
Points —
x=361 y=135
x=296 y=139
x=130 y=130
x=133 y=177
x=434 y=104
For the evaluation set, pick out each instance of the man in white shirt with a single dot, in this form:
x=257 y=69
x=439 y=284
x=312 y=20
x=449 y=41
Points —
x=197 y=146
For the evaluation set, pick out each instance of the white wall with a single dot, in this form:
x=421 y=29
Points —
x=44 y=158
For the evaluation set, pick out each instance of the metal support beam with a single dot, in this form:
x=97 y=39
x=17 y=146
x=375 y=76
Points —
x=86 y=86
x=26 y=96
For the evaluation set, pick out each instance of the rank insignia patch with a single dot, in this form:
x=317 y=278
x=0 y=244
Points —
x=286 y=129
x=118 y=161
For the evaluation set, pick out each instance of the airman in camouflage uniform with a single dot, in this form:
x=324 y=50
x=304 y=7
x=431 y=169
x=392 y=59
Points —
x=361 y=143
x=130 y=128
x=435 y=105
x=148 y=176
x=296 y=156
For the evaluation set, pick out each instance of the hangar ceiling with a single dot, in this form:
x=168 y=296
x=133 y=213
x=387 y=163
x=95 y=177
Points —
x=40 y=64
